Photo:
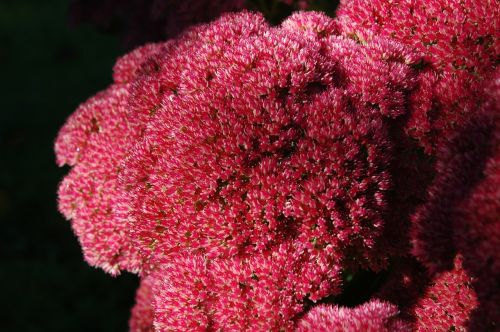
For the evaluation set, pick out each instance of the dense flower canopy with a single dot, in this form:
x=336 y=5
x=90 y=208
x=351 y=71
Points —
x=447 y=302
x=374 y=316
x=92 y=141
x=460 y=42
x=270 y=158
x=247 y=172
x=444 y=301
x=462 y=215
x=142 y=315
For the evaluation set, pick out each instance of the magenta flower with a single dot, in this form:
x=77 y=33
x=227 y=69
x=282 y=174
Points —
x=459 y=40
x=142 y=315
x=242 y=170
x=262 y=139
x=443 y=302
x=447 y=303
x=461 y=215
x=94 y=140
x=373 y=316
x=479 y=243
x=466 y=171
x=260 y=293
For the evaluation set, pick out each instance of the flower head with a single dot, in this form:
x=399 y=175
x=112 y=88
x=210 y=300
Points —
x=444 y=301
x=142 y=314
x=261 y=293
x=92 y=141
x=462 y=212
x=241 y=168
x=460 y=44
x=373 y=316
x=465 y=175
x=265 y=136
x=447 y=303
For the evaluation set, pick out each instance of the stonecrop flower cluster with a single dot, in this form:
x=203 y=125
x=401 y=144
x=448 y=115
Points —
x=248 y=172
x=459 y=41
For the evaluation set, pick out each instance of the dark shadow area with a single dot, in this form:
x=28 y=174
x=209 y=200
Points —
x=47 y=70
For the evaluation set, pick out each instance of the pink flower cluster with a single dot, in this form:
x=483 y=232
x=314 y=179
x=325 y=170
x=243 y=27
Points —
x=373 y=316
x=462 y=214
x=447 y=302
x=244 y=170
x=460 y=42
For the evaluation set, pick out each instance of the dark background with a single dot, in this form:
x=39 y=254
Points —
x=47 y=69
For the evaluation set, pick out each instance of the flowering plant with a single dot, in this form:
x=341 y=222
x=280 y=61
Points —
x=248 y=173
